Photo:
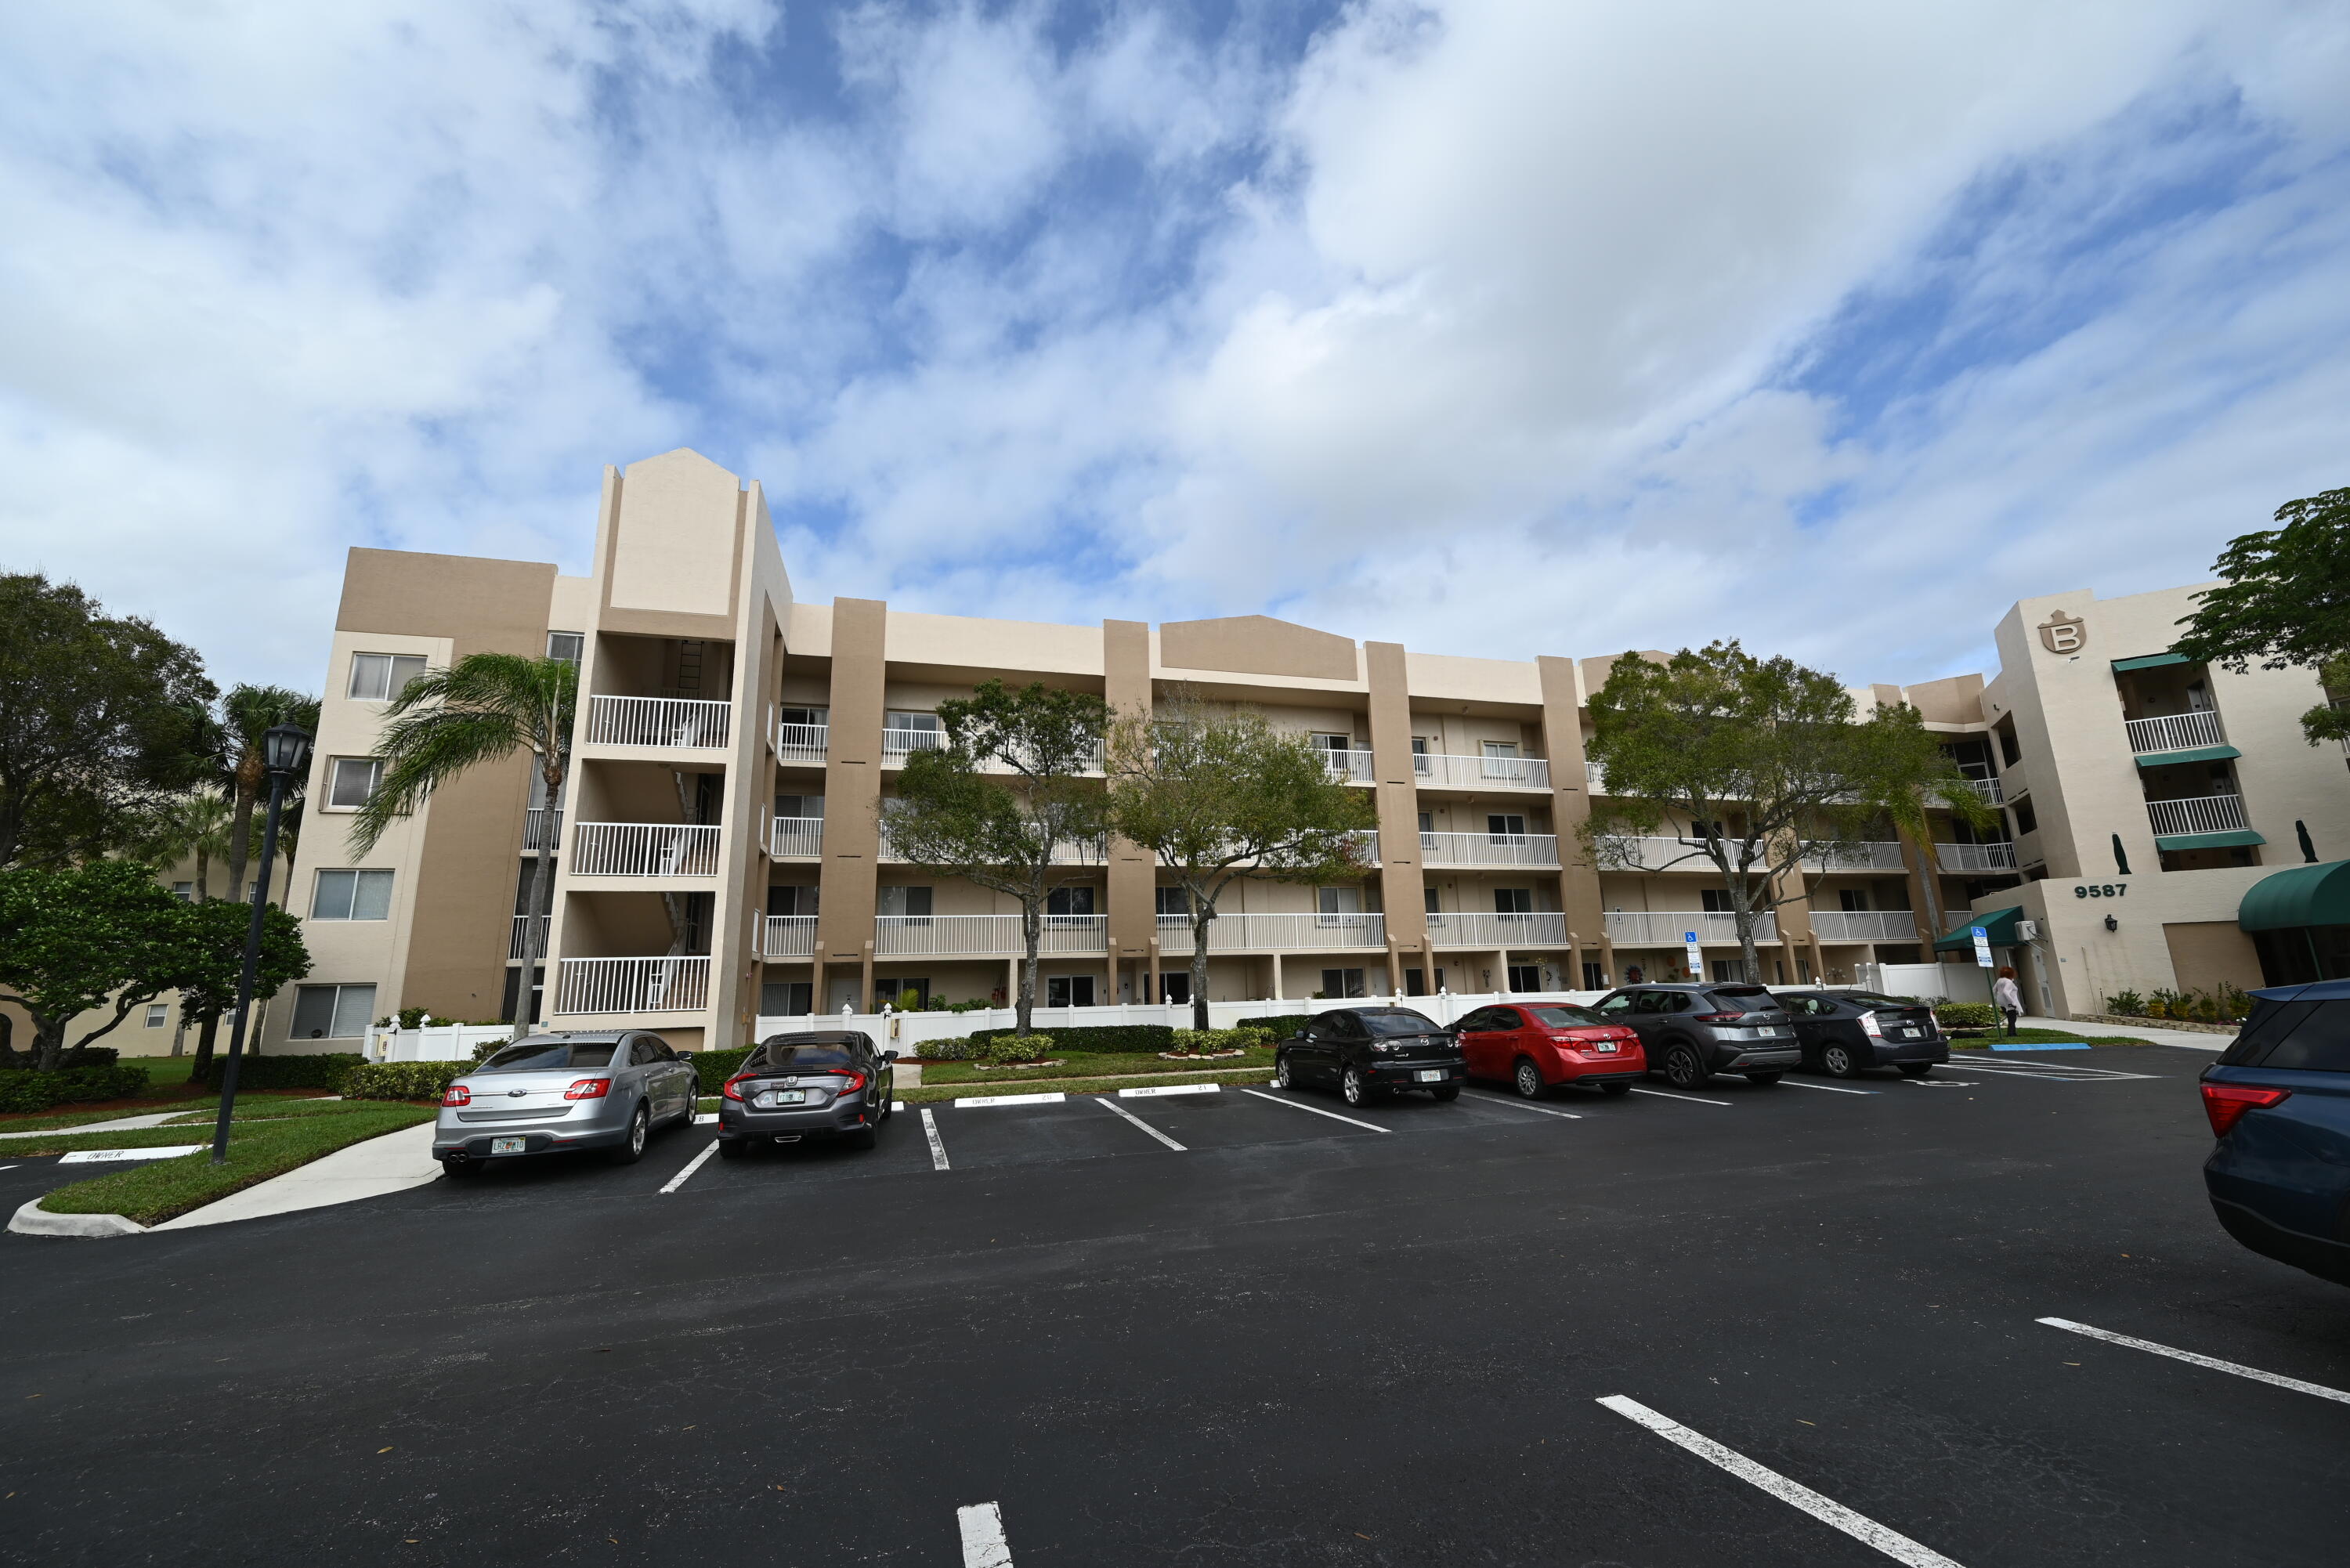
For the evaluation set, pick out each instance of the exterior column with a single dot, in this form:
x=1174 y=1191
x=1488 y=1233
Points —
x=865 y=982
x=1395 y=792
x=1157 y=993
x=1276 y=976
x=1570 y=808
x=1130 y=877
x=1394 y=969
x=852 y=788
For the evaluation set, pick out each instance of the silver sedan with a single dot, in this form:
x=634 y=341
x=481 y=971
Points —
x=599 y=1089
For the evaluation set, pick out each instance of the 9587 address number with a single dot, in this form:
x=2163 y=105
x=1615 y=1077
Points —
x=2100 y=890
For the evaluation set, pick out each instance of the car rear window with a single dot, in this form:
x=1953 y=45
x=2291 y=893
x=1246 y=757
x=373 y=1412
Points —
x=1741 y=991
x=814 y=1053
x=1743 y=997
x=548 y=1056
x=1868 y=999
x=1403 y=1021
x=1564 y=1017
x=2306 y=1037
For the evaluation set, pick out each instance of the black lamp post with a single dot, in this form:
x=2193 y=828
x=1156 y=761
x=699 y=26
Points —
x=286 y=754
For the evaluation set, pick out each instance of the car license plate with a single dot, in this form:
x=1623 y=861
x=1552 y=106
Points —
x=784 y=1098
x=509 y=1145
x=1429 y=1075
x=1607 y=1047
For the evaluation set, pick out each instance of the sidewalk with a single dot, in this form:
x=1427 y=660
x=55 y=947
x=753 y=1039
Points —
x=2192 y=1040
x=392 y=1163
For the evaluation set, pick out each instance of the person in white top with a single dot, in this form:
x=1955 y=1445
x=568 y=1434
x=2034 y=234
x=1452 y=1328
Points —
x=2007 y=998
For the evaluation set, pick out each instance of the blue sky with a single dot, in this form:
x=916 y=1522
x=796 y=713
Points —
x=1493 y=326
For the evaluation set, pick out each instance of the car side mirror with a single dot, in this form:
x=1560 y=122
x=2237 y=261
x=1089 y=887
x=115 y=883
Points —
x=888 y=1055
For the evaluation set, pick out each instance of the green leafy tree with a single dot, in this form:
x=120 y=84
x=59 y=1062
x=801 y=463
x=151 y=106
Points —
x=484 y=708
x=1756 y=767
x=1218 y=795
x=2286 y=602
x=247 y=714
x=98 y=713
x=190 y=827
x=214 y=959
x=71 y=939
x=1008 y=802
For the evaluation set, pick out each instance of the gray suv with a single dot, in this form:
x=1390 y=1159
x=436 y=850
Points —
x=1692 y=1031
x=601 y=1089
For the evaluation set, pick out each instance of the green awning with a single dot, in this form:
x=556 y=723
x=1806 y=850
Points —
x=2242 y=838
x=2150 y=661
x=2196 y=755
x=2305 y=896
x=1999 y=925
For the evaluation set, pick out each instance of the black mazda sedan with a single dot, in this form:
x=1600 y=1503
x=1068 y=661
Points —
x=1371 y=1051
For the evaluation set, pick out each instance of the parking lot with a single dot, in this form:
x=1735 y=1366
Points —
x=1789 y=1324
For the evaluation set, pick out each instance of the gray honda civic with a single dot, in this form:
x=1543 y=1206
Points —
x=831 y=1083
x=579 y=1089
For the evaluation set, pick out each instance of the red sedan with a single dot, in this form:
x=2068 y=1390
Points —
x=1535 y=1046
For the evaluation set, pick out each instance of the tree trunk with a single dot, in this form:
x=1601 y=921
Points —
x=1203 y=915
x=204 y=877
x=205 y=1038
x=542 y=910
x=8 y=1041
x=1024 y=1005
x=240 y=833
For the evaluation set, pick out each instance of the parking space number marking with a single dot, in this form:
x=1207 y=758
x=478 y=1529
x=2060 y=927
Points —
x=984 y=1545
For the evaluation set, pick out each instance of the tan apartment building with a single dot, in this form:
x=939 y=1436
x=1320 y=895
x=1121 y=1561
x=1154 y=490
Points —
x=721 y=859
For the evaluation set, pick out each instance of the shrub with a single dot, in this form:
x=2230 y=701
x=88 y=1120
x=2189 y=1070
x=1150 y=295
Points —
x=1967 y=1014
x=1282 y=1026
x=1008 y=1048
x=91 y=1057
x=1096 y=1037
x=715 y=1067
x=29 y=1091
x=415 y=1017
x=401 y=1080
x=324 y=1071
x=956 y=1049
x=2235 y=1001
x=2127 y=1003
x=1207 y=1040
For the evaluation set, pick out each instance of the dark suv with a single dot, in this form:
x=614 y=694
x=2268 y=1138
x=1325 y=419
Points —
x=1692 y=1031
x=2279 y=1100
x=1370 y=1052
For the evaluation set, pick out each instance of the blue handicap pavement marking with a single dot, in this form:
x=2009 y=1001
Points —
x=2040 y=1047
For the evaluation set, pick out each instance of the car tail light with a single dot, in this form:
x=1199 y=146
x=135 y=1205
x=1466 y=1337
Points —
x=589 y=1089
x=856 y=1081
x=457 y=1094
x=732 y=1088
x=2226 y=1104
x=1719 y=1017
x=1870 y=1027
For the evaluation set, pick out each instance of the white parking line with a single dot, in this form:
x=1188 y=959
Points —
x=2255 y=1373
x=1521 y=1104
x=691 y=1165
x=1150 y=1089
x=971 y=1101
x=1668 y=1094
x=1114 y=1107
x=984 y=1545
x=1831 y=1088
x=1866 y=1531
x=1317 y=1110
x=938 y=1149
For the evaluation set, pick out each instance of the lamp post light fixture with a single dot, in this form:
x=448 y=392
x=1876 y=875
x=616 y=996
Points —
x=285 y=755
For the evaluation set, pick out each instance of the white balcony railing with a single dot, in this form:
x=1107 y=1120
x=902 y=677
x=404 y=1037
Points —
x=898 y=742
x=791 y=936
x=1671 y=927
x=1443 y=771
x=1865 y=925
x=2204 y=814
x=643 y=850
x=1992 y=792
x=1872 y=855
x=2175 y=733
x=1486 y=848
x=1654 y=853
x=1276 y=933
x=1481 y=928
x=633 y=985
x=802 y=741
x=541 y=829
x=1998 y=857
x=528 y=938
x=667 y=722
x=946 y=936
x=795 y=838
x=1350 y=767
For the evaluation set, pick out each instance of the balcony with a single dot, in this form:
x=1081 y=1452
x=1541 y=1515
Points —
x=528 y=940
x=1992 y=790
x=977 y=935
x=1875 y=854
x=1671 y=927
x=643 y=850
x=795 y=838
x=1068 y=852
x=1437 y=769
x=669 y=722
x=801 y=743
x=1653 y=853
x=790 y=937
x=1486 y=848
x=1276 y=933
x=899 y=743
x=2203 y=814
x=1454 y=928
x=633 y=985
x=2175 y=733
x=1998 y=857
x=1865 y=925
x=1350 y=767
x=541 y=829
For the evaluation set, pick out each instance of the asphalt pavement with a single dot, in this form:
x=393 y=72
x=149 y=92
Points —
x=1231 y=1328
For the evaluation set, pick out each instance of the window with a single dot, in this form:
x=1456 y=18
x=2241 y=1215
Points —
x=1525 y=977
x=1069 y=901
x=1421 y=748
x=332 y=1011
x=380 y=677
x=815 y=718
x=800 y=805
x=1069 y=991
x=513 y=993
x=1854 y=900
x=893 y=992
x=157 y=1011
x=791 y=901
x=1435 y=913
x=352 y=780
x=352 y=896
x=905 y=903
x=1329 y=741
x=1731 y=970
x=1342 y=983
x=2026 y=820
x=1415 y=982
x=1332 y=906
x=1716 y=900
x=1506 y=830
x=1594 y=977
x=184 y=891
x=1427 y=823
x=1174 y=904
x=1514 y=900
x=566 y=646
x=1175 y=988
x=787 y=999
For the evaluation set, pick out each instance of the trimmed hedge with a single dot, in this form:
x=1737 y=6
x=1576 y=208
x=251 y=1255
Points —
x=1968 y=1015
x=1240 y=1039
x=1096 y=1037
x=956 y=1049
x=324 y=1071
x=715 y=1067
x=91 y=1057
x=401 y=1080
x=29 y=1091
x=1283 y=1024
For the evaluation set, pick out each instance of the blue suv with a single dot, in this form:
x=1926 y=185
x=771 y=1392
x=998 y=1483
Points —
x=2279 y=1100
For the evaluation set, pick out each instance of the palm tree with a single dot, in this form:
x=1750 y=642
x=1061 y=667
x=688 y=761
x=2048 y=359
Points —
x=483 y=709
x=247 y=713
x=192 y=824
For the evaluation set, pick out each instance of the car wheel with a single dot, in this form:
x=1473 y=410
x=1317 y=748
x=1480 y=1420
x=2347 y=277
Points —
x=733 y=1148
x=1353 y=1089
x=633 y=1149
x=1447 y=1094
x=1283 y=1078
x=460 y=1168
x=1840 y=1062
x=1915 y=1069
x=1763 y=1080
x=1615 y=1091
x=1683 y=1070
x=1527 y=1079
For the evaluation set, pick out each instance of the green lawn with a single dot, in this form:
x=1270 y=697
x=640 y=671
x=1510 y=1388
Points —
x=256 y=1151
x=48 y=1119
x=928 y=1095
x=166 y=1072
x=260 y=1108
x=1087 y=1064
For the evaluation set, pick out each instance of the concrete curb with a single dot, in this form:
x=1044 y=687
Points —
x=32 y=1219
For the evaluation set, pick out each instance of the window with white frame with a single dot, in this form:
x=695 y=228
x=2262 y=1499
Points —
x=184 y=891
x=352 y=896
x=1174 y=904
x=902 y=902
x=1514 y=900
x=157 y=1013
x=351 y=781
x=380 y=677
x=332 y=1011
x=1333 y=906
x=566 y=646
x=1331 y=742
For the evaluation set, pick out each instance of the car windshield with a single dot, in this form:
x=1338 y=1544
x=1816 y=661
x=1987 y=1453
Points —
x=1564 y=1017
x=814 y=1053
x=547 y=1056
x=1869 y=999
x=1403 y=1021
